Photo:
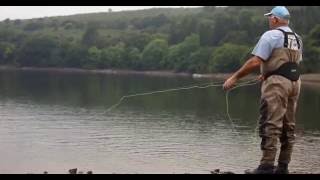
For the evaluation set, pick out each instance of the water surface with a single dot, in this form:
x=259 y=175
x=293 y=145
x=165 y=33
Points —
x=57 y=121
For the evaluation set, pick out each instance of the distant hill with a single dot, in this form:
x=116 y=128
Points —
x=202 y=40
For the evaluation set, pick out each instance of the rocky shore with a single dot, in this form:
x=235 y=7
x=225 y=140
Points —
x=215 y=171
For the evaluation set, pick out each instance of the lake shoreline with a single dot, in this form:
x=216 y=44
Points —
x=306 y=78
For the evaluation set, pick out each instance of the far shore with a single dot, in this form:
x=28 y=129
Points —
x=306 y=78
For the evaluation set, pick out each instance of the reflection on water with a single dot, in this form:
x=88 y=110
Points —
x=53 y=122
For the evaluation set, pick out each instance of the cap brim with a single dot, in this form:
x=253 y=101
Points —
x=268 y=14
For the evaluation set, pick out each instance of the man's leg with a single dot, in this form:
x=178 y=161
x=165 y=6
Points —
x=273 y=107
x=288 y=135
x=271 y=122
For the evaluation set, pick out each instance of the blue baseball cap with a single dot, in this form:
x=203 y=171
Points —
x=280 y=12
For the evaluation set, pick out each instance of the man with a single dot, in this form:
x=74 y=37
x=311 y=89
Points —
x=278 y=53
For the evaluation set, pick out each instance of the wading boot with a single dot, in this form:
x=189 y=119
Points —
x=262 y=169
x=281 y=169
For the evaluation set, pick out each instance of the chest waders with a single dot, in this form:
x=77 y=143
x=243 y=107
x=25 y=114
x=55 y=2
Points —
x=289 y=70
x=279 y=97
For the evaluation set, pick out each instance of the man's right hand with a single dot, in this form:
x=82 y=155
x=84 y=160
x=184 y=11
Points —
x=229 y=83
x=260 y=78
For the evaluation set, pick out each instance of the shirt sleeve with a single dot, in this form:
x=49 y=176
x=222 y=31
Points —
x=263 y=49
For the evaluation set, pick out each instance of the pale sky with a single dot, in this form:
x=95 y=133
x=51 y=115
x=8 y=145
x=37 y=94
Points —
x=28 y=12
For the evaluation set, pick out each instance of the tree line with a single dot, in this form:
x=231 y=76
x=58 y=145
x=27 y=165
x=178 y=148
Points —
x=196 y=40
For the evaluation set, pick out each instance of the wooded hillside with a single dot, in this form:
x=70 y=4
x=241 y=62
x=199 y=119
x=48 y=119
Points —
x=196 y=40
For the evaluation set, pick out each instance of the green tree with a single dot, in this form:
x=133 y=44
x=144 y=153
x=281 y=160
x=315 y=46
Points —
x=314 y=36
x=228 y=58
x=199 y=60
x=136 y=39
x=154 y=53
x=178 y=57
x=6 y=52
x=134 y=58
x=33 y=26
x=205 y=29
x=310 y=63
x=74 y=54
x=39 y=51
x=93 y=59
x=114 y=56
x=236 y=37
x=222 y=25
x=91 y=36
x=131 y=39
x=17 y=22
x=311 y=49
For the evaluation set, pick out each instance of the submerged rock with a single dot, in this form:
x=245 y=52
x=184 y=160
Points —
x=73 y=171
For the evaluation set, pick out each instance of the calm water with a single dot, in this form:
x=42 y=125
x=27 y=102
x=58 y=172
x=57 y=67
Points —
x=57 y=121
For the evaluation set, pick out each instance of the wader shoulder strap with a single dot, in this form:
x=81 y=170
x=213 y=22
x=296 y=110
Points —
x=286 y=38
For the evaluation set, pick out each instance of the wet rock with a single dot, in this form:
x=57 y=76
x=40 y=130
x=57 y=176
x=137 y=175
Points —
x=89 y=172
x=216 y=171
x=228 y=172
x=73 y=171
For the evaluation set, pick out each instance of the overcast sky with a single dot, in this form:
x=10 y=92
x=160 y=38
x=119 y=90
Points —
x=28 y=12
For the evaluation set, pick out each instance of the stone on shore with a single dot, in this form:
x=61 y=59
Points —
x=73 y=171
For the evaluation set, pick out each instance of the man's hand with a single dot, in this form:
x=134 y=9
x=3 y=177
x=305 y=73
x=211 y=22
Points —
x=252 y=64
x=260 y=78
x=229 y=83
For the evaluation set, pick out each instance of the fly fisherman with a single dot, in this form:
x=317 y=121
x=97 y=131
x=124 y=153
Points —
x=278 y=54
